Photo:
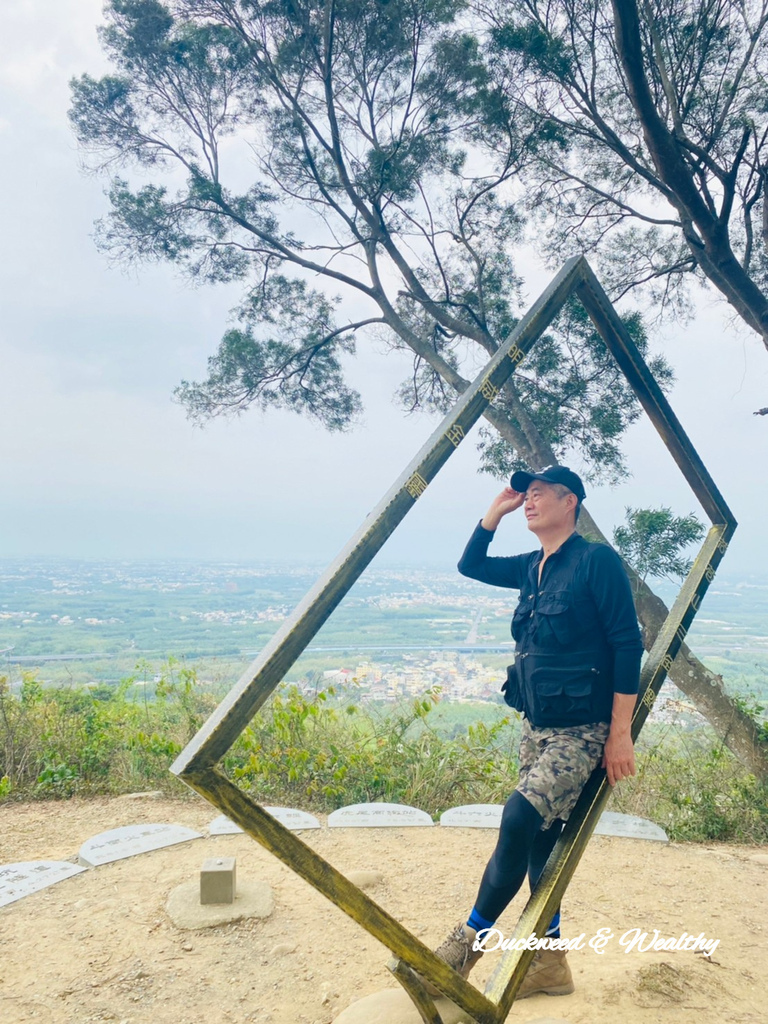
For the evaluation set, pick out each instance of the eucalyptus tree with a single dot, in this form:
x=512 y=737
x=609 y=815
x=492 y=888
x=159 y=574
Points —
x=352 y=157
x=657 y=113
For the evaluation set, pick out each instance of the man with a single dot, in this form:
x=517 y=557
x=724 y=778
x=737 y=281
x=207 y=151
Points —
x=575 y=680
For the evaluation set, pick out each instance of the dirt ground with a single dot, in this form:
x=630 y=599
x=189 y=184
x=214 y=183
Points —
x=100 y=946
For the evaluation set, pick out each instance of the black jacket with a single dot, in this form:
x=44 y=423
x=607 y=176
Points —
x=576 y=635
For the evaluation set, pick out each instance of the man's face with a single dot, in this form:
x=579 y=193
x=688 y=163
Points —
x=546 y=509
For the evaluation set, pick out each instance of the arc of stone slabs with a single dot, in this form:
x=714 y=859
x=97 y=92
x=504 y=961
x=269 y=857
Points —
x=196 y=765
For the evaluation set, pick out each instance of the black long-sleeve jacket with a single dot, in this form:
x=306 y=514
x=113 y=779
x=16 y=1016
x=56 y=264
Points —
x=577 y=640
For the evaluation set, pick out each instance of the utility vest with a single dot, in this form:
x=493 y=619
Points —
x=563 y=670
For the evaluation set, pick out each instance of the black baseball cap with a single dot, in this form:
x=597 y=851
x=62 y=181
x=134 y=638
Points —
x=521 y=480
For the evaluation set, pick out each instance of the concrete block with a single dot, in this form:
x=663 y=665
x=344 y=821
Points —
x=254 y=899
x=217 y=880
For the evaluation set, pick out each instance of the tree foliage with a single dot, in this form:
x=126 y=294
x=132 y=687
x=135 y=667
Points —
x=259 y=363
x=654 y=541
x=384 y=124
x=658 y=118
x=577 y=395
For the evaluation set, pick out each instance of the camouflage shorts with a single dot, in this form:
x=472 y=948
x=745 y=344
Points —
x=555 y=764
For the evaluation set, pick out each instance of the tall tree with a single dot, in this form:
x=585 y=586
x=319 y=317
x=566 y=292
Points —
x=381 y=121
x=658 y=120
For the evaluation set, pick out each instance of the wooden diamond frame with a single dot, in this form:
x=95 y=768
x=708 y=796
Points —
x=197 y=763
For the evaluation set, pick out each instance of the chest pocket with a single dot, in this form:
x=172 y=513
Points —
x=522 y=616
x=554 y=621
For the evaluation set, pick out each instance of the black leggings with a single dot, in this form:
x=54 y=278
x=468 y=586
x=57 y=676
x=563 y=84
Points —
x=522 y=847
x=543 y=845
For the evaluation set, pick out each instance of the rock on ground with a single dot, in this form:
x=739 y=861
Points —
x=394 y=1006
x=365 y=879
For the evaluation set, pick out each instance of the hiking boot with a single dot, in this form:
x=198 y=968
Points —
x=457 y=952
x=548 y=973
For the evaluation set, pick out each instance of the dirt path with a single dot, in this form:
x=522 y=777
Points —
x=100 y=947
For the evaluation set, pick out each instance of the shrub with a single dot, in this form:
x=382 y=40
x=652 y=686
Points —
x=323 y=749
x=311 y=750
x=695 y=789
x=56 y=742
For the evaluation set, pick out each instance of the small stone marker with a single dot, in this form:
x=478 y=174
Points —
x=288 y=816
x=130 y=840
x=473 y=816
x=628 y=826
x=253 y=899
x=217 y=880
x=378 y=816
x=26 y=877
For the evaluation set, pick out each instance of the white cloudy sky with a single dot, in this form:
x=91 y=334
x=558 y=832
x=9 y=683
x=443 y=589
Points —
x=96 y=460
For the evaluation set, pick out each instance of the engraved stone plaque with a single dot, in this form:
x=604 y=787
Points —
x=473 y=816
x=378 y=816
x=610 y=824
x=131 y=840
x=19 y=880
x=629 y=827
x=293 y=818
x=222 y=826
x=288 y=816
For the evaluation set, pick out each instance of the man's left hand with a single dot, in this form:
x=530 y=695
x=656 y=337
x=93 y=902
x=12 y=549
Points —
x=619 y=756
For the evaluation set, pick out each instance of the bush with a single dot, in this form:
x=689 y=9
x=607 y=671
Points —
x=312 y=750
x=59 y=742
x=695 y=788
x=323 y=750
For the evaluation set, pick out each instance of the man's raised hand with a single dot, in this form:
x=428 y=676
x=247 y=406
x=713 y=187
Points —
x=501 y=505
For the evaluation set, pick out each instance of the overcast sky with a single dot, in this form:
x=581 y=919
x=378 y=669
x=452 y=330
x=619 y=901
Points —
x=97 y=461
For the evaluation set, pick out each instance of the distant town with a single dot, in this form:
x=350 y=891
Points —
x=398 y=633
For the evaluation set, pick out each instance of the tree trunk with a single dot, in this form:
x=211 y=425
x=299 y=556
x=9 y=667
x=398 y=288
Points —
x=705 y=233
x=734 y=727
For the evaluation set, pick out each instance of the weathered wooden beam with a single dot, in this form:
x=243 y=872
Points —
x=233 y=714
x=266 y=830
x=196 y=763
x=651 y=397
x=414 y=986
